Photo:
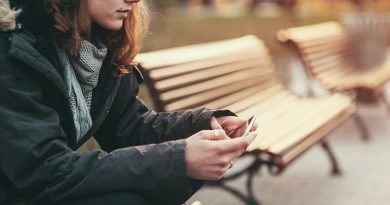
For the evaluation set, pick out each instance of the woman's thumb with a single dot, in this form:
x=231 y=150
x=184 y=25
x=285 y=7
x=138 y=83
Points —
x=214 y=124
x=250 y=137
x=215 y=134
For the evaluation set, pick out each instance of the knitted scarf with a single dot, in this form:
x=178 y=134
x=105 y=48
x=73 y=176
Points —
x=81 y=77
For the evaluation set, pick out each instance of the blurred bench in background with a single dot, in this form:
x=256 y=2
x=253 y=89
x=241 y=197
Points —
x=323 y=49
x=238 y=74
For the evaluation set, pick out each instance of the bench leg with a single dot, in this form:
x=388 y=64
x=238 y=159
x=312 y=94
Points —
x=248 y=200
x=383 y=99
x=251 y=200
x=250 y=171
x=335 y=167
x=361 y=126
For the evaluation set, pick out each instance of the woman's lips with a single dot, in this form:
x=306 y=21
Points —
x=123 y=12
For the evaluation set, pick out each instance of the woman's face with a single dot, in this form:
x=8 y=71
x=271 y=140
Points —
x=109 y=14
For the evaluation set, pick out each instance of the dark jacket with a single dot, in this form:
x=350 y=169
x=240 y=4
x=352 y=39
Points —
x=141 y=151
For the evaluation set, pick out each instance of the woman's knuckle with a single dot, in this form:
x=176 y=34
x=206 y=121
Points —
x=225 y=160
x=217 y=172
x=243 y=145
x=218 y=150
x=203 y=132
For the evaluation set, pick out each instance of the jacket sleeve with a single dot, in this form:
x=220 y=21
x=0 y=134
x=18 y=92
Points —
x=38 y=165
x=135 y=124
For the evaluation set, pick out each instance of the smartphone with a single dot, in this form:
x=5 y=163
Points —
x=251 y=123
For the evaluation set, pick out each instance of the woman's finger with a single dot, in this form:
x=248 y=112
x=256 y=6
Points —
x=214 y=135
x=236 y=144
x=240 y=130
x=254 y=127
x=214 y=124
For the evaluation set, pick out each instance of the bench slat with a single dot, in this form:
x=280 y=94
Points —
x=180 y=55
x=211 y=90
x=180 y=69
x=320 y=118
x=339 y=51
x=252 y=95
x=306 y=116
x=300 y=148
x=323 y=46
x=210 y=73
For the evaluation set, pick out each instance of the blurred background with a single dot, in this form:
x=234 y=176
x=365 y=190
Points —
x=183 y=22
x=365 y=166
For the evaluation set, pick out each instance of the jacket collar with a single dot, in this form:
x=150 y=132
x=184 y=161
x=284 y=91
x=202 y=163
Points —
x=22 y=49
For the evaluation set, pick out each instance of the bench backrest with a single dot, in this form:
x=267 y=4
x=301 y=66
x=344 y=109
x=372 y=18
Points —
x=214 y=75
x=322 y=47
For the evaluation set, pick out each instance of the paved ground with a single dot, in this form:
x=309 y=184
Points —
x=365 y=165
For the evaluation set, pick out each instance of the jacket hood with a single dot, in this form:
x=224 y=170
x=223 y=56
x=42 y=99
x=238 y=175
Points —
x=8 y=16
x=35 y=17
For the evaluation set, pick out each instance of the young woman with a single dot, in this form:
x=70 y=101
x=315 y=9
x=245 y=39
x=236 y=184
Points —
x=65 y=76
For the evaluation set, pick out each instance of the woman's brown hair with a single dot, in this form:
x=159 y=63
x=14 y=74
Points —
x=73 y=25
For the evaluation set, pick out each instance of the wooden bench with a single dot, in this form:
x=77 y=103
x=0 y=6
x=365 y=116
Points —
x=238 y=74
x=324 y=51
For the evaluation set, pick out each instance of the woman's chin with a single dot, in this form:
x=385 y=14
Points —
x=113 y=26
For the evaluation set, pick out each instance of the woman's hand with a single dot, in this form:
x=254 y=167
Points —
x=233 y=126
x=209 y=153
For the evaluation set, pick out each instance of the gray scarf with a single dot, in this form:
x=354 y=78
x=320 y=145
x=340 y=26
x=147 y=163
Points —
x=81 y=77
